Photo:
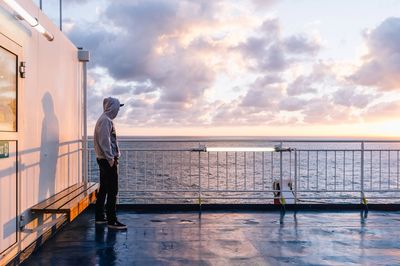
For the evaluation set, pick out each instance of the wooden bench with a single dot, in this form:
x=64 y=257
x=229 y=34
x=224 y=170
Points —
x=71 y=201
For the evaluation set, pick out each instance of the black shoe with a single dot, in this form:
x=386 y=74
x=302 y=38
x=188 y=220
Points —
x=102 y=220
x=116 y=225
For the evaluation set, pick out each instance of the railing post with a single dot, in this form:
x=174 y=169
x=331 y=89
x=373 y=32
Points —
x=295 y=177
x=281 y=176
x=199 y=183
x=362 y=174
x=200 y=149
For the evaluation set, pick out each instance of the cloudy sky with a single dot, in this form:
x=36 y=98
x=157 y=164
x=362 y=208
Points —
x=243 y=67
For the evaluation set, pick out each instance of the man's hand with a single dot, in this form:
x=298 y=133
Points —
x=111 y=162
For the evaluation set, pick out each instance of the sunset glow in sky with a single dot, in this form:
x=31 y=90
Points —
x=248 y=67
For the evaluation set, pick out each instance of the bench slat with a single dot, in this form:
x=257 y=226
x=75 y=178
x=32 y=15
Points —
x=70 y=197
x=71 y=201
x=60 y=195
x=70 y=204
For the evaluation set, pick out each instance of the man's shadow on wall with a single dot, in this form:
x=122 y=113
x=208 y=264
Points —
x=49 y=149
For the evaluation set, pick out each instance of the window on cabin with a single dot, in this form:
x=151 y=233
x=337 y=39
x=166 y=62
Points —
x=8 y=90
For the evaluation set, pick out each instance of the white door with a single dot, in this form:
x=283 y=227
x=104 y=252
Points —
x=10 y=57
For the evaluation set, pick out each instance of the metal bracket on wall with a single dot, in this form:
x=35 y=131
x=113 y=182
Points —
x=22 y=66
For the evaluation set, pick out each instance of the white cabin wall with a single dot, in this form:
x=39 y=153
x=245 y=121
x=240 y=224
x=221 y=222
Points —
x=49 y=110
x=52 y=79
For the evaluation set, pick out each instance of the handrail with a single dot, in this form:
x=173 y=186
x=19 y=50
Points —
x=255 y=139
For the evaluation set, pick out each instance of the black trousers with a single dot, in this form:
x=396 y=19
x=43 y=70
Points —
x=109 y=188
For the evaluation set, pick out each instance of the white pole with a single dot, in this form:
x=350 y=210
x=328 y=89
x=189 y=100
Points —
x=84 y=57
x=85 y=146
x=61 y=15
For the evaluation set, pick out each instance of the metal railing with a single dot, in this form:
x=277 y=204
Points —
x=328 y=171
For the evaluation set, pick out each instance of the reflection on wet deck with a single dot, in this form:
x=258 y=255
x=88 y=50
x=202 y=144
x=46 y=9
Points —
x=228 y=238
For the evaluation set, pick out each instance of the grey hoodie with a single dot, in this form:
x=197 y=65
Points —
x=105 y=137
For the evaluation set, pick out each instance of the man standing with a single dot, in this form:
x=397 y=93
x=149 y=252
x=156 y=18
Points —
x=107 y=154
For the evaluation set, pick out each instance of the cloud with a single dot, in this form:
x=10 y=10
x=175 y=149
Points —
x=268 y=33
x=381 y=66
x=292 y=104
x=265 y=50
x=119 y=90
x=259 y=105
x=94 y=103
x=303 y=84
x=268 y=51
x=140 y=89
x=267 y=80
x=350 y=97
x=166 y=50
x=382 y=111
x=149 y=45
x=323 y=111
x=301 y=44
x=274 y=60
x=91 y=36
x=144 y=43
x=160 y=57
x=234 y=113
x=69 y=2
x=265 y=97
x=264 y=3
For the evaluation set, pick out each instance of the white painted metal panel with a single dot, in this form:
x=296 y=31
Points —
x=10 y=56
x=49 y=123
x=8 y=198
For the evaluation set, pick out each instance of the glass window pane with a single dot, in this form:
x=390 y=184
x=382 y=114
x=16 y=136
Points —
x=8 y=91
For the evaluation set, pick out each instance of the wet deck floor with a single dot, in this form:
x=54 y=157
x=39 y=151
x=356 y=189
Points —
x=229 y=238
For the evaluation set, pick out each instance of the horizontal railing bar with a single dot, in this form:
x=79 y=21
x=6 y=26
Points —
x=259 y=191
x=348 y=150
x=347 y=198
x=243 y=139
x=257 y=151
x=157 y=191
x=196 y=198
x=204 y=191
x=149 y=150
x=123 y=149
x=258 y=198
x=342 y=191
x=342 y=141
x=383 y=191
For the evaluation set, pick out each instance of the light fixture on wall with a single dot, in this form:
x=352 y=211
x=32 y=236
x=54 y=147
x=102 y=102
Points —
x=22 y=13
